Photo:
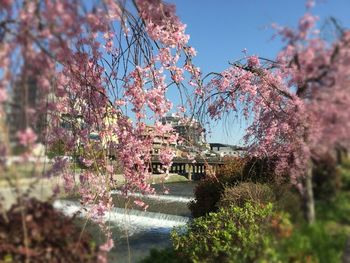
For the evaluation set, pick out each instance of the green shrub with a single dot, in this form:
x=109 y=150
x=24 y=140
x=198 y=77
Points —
x=209 y=190
x=211 y=194
x=233 y=234
x=326 y=178
x=207 y=194
x=261 y=171
x=58 y=148
x=311 y=243
x=288 y=199
x=337 y=210
x=248 y=180
x=167 y=255
x=233 y=167
x=344 y=173
x=346 y=163
x=246 y=192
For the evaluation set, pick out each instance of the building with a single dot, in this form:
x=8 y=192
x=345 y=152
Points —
x=158 y=141
x=227 y=150
x=102 y=133
x=26 y=98
x=189 y=130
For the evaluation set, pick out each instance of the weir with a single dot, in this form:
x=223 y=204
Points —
x=133 y=219
x=165 y=198
x=135 y=230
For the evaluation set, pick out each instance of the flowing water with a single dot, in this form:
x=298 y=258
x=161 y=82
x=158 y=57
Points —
x=136 y=231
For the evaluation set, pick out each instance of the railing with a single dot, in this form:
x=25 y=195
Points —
x=192 y=169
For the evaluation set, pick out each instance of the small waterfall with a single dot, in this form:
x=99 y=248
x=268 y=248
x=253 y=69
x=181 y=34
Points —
x=165 y=198
x=133 y=220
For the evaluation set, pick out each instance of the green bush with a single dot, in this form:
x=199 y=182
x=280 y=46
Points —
x=209 y=190
x=233 y=234
x=337 y=210
x=207 y=194
x=288 y=199
x=311 y=243
x=233 y=167
x=246 y=192
x=326 y=178
x=346 y=162
x=58 y=148
x=284 y=197
x=167 y=255
x=211 y=194
x=241 y=180
x=344 y=173
x=261 y=171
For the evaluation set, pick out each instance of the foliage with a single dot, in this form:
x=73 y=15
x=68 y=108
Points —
x=283 y=196
x=325 y=240
x=326 y=178
x=346 y=163
x=167 y=255
x=241 y=180
x=249 y=169
x=344 y=172
x=208 y=192
x=246 y=192
x=233 y=167
x=336 y=210
x=211 y=238
x=58 y=148
x=233 y=234
x=260 y=170
x=288 y=199
x=312 y=243
x=35 y=230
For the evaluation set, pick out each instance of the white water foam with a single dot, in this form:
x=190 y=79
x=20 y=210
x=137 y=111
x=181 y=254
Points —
x=134 y=220
x=166 y=198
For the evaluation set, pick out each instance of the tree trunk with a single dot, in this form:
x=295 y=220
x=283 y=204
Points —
x=309 y=202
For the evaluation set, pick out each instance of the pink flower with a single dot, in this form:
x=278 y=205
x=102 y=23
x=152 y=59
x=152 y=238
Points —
x=27 y=137
x=139 y=203
x=192 y=52
x=253 y=61
x=3 y=95
x=108 y=245
x=110 y=169
x=5 y=3
x=86 y=162
x=310 y=4
x=68 y=181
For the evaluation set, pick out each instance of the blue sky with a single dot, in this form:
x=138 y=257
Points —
x=221 y=29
